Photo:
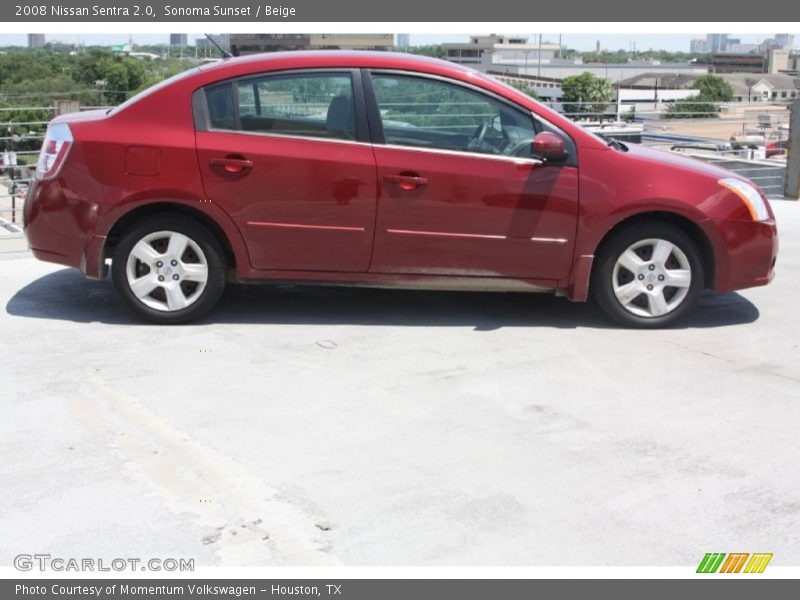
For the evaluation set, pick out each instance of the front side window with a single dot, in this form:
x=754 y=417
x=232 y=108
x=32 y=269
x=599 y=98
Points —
x=310 y=105
x=429 y=113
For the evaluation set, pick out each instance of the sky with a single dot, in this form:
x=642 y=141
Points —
x=672 y=43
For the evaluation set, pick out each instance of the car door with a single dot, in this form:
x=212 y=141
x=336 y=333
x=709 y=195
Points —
x=287 y=156
x=459 y=190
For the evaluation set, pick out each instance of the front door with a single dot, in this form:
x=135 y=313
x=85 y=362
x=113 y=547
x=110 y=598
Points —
x=460 y=192
x=286 y=157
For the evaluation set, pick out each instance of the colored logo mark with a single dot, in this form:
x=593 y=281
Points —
x=734 y=562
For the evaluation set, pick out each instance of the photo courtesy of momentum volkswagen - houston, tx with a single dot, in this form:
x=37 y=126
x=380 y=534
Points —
x=372 y=168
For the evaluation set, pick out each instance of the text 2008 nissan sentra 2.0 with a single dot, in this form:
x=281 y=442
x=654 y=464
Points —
x=383 y=169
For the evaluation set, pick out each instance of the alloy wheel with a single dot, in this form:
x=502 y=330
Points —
x=651 y=277
x=167 y=271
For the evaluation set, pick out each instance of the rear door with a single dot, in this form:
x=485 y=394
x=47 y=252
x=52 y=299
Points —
x=287 y=156
x=460 y=192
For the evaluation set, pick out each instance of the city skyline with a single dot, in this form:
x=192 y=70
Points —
x=580 y=42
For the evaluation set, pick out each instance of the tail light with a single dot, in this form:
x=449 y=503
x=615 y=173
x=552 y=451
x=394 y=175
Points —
x=57 y=142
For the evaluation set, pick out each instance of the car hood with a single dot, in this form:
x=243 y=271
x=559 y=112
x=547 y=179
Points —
x=678 y=161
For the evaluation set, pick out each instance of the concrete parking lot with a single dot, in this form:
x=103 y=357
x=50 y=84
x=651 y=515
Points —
x=304 y=425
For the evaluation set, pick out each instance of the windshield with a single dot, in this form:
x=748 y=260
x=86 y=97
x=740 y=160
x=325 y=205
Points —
x=153 y=88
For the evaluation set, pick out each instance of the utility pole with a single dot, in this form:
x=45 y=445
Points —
x=792 y=181
x=539 y=71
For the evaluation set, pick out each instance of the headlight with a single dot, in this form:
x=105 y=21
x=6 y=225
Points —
x=750 y=195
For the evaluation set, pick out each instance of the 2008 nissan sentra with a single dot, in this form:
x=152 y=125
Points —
x=364 y=168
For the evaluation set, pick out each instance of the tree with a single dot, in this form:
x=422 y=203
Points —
x=19 y=66
x=120 y=73
x=691 y=108
x=591 y=93
x=434 y=50
x=702 y=106
x=25 y=121
x=525 y=88
x=713 y=89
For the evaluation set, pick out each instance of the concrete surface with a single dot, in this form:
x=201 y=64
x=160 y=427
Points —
x=370 y=427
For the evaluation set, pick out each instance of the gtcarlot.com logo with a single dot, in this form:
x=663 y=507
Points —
x=47 y=562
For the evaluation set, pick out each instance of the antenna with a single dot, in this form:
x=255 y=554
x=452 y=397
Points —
x=225 y=53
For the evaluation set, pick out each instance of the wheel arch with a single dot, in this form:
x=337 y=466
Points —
x=235 y=255
x=691 y=228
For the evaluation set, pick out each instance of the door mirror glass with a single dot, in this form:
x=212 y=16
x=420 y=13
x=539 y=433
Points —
x=549 y=147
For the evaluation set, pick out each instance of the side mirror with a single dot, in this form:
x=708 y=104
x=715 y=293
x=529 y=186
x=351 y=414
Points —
x=549 y=147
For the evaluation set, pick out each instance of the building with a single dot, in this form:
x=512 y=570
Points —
x=483 y=52
x=785 y=41
x=36 y=40
x=782 y=41
x=403 y=41
x=747 y=87
x=772 y=87
x=736 y=63
x=179 y=39
x=718 y=42
x=648 y=91
x=614 y=72
x=744 y=48
x=699 y=46
x=252 y=43
x=545 y=89
x=777 y=61
x=543 y=64
x=721 y=43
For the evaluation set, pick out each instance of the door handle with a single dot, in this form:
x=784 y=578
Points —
x=406 y=182
x=232 y=164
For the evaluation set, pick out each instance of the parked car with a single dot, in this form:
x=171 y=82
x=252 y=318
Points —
x=777 y=148
x=385 y=169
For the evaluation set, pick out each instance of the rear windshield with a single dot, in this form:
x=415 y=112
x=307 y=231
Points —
x=154 y=88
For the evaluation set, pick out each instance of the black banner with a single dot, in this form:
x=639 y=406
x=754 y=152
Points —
x=397 y=589
x=406 y=11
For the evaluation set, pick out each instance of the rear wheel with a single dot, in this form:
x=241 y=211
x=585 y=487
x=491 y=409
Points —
x=169 y=269
x=648 y=275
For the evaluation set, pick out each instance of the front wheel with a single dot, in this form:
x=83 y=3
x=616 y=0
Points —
x=169 y=269
x=648 y=275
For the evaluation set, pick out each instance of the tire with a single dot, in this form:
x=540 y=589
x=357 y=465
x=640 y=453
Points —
x=169 y=269
x=652 y=254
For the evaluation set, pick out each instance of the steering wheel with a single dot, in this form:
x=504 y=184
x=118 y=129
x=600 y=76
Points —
x=476 y=139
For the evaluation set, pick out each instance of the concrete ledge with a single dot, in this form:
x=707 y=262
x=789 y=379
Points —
x=14 y=243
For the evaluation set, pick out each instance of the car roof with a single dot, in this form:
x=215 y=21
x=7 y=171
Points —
x=304 y=59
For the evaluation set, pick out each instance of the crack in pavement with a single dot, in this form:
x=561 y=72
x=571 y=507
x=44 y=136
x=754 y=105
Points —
x=246 y=521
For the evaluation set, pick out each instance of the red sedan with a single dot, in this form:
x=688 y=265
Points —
x=382 y=169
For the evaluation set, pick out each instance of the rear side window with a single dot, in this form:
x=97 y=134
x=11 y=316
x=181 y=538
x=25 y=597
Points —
x=220 y=107
x=309 y=105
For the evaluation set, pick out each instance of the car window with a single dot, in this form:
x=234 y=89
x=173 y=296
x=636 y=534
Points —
x=317 y=105
x=429 y=113
x=220 y=107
